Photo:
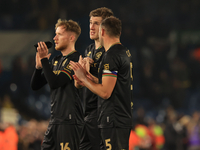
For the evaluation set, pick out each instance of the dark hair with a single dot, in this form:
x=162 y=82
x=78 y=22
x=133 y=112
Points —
x=101 y=12
x=112 y=26
x=69 y=25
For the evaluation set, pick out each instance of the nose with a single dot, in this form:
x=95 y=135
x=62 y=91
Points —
x=55 y=37
x=91 y=26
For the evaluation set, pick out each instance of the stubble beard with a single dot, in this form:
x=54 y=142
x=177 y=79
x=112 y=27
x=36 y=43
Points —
x=60 y=48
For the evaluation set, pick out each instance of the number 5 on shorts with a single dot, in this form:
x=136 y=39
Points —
x=65 y=147
x=108 y=144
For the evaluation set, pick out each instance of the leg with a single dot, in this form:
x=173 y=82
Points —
x=49 y=141
x=115 y=138
x=68 y=137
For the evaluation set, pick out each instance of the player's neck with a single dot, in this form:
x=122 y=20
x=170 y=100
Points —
x=97 y=44
x=68 y=50
x=110 y=42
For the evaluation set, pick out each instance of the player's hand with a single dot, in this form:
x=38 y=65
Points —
x=78 y=81
x=88 y=75
x=81 y=62
x=88 y=61
x=78 y=70
x=43 y=51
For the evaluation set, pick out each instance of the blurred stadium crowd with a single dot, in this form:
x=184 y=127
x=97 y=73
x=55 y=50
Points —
x=163 y=37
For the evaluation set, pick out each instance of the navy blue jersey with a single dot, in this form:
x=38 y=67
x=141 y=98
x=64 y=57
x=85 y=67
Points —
x=116 y=111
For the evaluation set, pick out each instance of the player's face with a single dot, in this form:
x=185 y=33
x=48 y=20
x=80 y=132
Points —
x=61 y=39
x=94 y=27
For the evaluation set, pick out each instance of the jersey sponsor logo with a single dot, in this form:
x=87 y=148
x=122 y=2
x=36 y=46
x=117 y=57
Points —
x=55 y=63
x=64 y=62
x=128 y=53
x=88 y=54
x=98 y=55
x=109 y=73
x=106 y=67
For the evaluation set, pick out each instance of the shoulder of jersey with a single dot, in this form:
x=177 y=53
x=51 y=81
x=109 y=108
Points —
x=75 y=56
x=89 y=47
x=57 y=57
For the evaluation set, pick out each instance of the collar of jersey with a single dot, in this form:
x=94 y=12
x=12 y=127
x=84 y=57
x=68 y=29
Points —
x=115 y=44
x=99 y=47
x=70 y=53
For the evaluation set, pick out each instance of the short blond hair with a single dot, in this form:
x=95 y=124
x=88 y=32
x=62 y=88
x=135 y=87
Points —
x=69 y=25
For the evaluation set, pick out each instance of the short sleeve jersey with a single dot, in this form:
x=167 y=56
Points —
x=66 y=105
x=116 y=111
x=90 y=99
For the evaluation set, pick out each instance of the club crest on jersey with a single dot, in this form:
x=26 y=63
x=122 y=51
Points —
x=64 y=62
x=98 y=55
x=106 y=67
x=55 y=63
x=88 y=54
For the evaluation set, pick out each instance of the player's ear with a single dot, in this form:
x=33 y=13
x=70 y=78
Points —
x=102 y=31
x=72 y=38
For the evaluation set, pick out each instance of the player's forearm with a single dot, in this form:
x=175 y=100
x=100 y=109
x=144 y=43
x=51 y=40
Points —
x=54 y=81
x=93 y=78
x=37 y=80
x=96 y=88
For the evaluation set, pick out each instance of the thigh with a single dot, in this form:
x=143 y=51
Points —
x=85 y=143
x=115 y=138
x=48 y=141
x=93 y=133
x=90 y=137
x=68 y=137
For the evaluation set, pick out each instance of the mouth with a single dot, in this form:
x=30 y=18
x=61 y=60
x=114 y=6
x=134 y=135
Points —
x=92 y=33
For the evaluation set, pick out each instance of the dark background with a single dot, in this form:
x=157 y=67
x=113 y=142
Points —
x=162 y=35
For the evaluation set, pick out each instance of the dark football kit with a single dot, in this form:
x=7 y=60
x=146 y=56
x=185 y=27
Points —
x=66 y=119
x=115 y=113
